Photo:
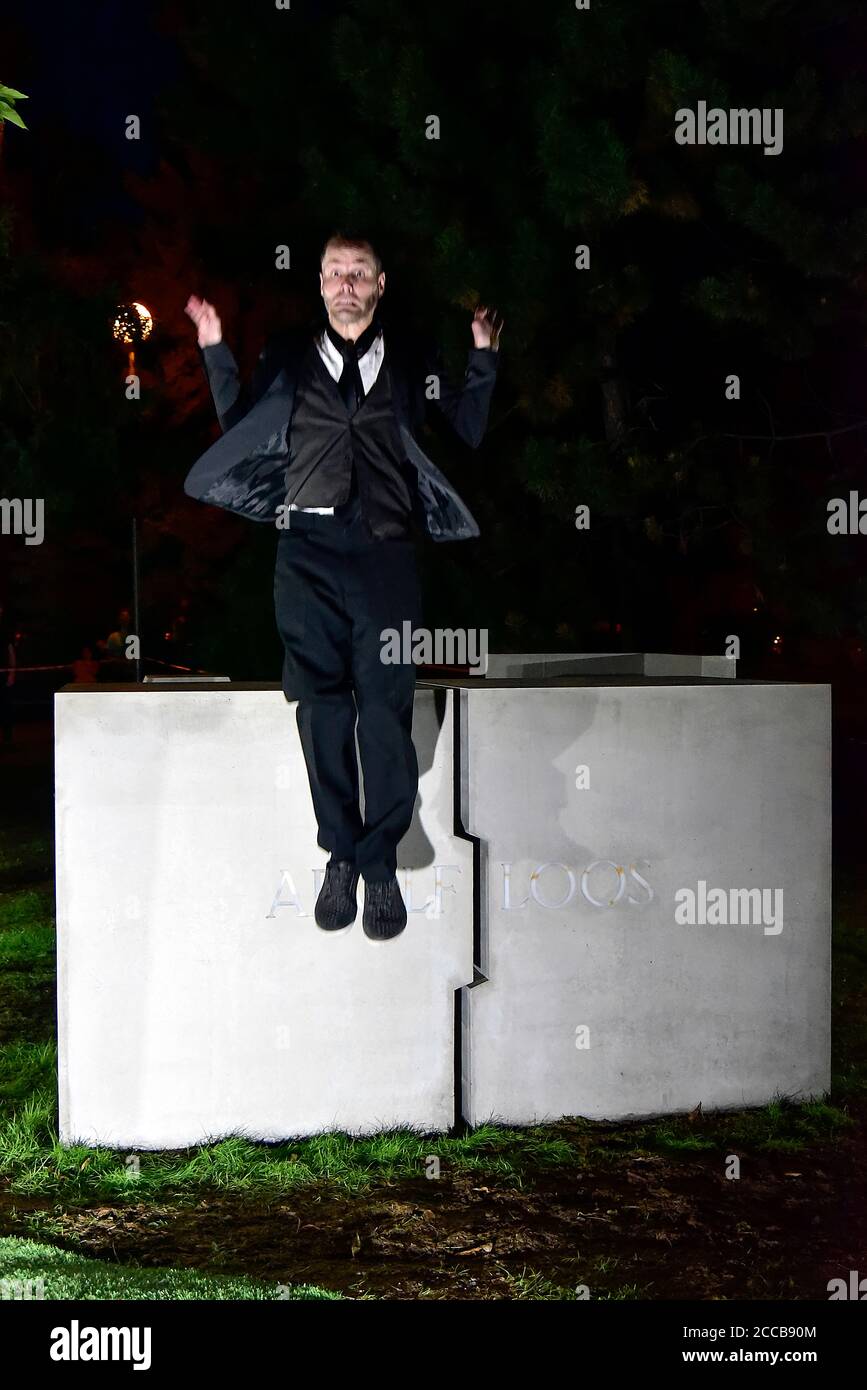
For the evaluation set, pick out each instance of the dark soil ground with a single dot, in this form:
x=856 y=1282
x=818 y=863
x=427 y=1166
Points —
x=647 y=1227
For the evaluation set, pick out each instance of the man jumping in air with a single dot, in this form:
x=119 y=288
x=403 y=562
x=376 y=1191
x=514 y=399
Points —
x=324 y=447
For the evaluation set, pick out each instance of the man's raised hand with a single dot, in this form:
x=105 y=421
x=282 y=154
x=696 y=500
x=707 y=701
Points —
x=204 y=316
x=487 y=326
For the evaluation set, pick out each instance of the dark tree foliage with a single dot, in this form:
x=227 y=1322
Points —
x=556 y=125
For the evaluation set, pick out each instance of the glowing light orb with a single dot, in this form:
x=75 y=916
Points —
x=133 y=323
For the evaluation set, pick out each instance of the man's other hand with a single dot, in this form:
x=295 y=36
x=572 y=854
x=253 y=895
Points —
x=487 y=326
x=204 y=316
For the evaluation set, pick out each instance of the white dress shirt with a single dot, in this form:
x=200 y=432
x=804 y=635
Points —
x=368 y=365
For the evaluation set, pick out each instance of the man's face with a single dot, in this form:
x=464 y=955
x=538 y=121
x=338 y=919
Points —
x=350 y=288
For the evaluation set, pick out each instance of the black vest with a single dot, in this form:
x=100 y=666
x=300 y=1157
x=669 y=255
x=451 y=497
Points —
x=332 y=453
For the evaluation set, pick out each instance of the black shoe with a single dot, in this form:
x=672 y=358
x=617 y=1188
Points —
x=336 y=906
x=384 y=911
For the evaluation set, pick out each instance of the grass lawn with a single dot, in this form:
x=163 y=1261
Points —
x=29 y=1269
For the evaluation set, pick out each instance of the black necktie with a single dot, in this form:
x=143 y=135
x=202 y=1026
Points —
x=350 y=384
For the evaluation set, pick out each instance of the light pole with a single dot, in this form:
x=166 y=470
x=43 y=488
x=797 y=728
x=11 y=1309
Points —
x=133 y=324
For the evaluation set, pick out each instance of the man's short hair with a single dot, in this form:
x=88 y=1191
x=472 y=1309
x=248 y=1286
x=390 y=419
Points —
x=345 y=239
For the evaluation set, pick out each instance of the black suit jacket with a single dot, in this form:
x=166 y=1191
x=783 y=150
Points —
x=244 y=471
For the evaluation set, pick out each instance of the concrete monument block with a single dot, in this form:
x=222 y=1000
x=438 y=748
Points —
x=619 y=885
x=197 y=997
x=594 y=807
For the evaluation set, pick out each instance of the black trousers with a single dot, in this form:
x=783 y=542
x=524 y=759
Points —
x=335 y=590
